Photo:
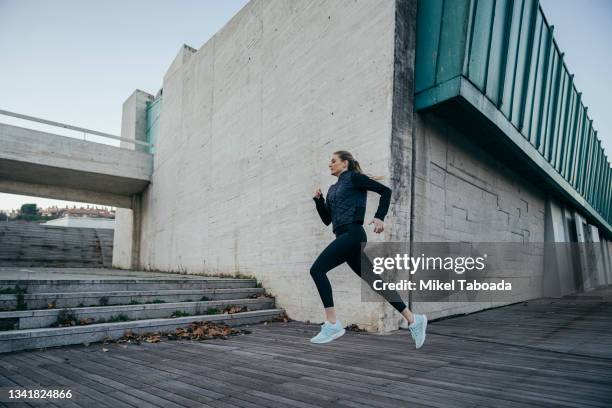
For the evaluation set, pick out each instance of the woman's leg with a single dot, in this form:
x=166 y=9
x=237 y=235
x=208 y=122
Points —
x=355 y=260
x=333 y=255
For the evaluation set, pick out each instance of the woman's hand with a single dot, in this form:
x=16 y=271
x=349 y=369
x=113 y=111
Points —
x=379 y=226
x=317 y=193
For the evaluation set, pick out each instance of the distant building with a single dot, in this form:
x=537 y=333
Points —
x=92 y=212
x=82 y=222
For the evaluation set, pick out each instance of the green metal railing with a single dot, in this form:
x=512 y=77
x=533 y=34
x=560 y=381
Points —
x=153 y=114
x=503 y=52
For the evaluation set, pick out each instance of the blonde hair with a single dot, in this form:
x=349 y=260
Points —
x=353 y=164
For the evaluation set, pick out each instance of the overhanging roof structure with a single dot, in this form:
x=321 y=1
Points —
x=499 y=61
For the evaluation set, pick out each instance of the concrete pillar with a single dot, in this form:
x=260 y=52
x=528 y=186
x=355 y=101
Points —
x=606 y=245
x=122 y=240
x=597 y=258
x=134 y=119
x=583 y=234
x=557 y=277
x=128 y=221
x=136 y=230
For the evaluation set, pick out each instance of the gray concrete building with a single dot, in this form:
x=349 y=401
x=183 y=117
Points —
x=474 y=123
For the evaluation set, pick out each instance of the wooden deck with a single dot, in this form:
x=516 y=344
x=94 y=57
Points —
x=545 y=353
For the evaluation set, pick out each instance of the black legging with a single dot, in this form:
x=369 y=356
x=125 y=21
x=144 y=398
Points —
x=347 y=248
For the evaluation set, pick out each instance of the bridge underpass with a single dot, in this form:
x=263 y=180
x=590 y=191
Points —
x=42 y=164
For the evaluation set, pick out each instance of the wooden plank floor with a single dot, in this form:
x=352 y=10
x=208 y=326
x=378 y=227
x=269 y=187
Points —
x=544 y=353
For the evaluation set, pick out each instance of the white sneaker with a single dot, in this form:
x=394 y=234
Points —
x=328 y=332
x=417 y=329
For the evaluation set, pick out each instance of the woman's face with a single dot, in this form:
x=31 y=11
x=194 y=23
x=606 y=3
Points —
x=337 y=165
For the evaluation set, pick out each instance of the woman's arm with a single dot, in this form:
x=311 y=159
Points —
x=323 y=210
x=363 y=182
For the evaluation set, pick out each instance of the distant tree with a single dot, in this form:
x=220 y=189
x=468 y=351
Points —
x=3 y=216
x=28 y=212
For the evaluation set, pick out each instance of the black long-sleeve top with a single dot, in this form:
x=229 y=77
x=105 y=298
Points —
x=360 y=184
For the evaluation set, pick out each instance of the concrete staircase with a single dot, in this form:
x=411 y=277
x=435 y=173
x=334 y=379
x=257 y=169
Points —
x=33 y=244
x=32 y=311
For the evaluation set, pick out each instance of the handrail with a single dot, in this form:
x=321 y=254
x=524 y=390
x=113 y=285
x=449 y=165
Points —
x=79 y=129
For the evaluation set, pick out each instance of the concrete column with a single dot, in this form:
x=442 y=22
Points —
x=605 y=244
x=136 y=230
x=122 y=240
x=128 y=221
x=557 y=275
x=134 y=119
x=583 y=234
x=597 y=258
x=401 y=148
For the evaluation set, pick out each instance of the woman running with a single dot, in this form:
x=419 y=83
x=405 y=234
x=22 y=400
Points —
x=345 y=210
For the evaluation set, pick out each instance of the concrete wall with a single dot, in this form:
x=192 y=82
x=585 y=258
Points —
x=464 y=194
x=248 y=125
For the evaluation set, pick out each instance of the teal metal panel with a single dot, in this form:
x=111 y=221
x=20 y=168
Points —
x=480 y=37
x=453 y=36
x=500 y=33
x=523 y=61
x=428 y=40
x=531 y=65
x=505 y=49
x=511 y=58
x=569 y=130
x=562 y=122
x=541 y=136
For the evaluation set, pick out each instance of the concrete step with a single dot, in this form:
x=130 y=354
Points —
x=113 y=285
x=74 y=299
x=58 y=264
x=31 y=319
x=31 y=244
x=15 y=340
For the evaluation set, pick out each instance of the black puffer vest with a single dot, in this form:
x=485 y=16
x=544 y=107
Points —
x=346 y=203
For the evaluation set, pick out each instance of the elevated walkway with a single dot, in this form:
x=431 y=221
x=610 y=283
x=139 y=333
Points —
x=54 y=166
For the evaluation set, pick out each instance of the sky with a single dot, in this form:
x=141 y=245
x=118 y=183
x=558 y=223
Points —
x=76 y=61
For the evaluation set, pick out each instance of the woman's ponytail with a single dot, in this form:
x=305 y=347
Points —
x=353 y=164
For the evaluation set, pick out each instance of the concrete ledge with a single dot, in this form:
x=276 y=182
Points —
x=16 y=340
x=98 y=285
x=74 y=299
x=30 y=319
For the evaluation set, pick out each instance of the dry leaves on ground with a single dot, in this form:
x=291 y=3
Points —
x=201 y=330
x=355 y=328
x=260 y=296
x=235 y=309
x=86 y=320
x=280 y=318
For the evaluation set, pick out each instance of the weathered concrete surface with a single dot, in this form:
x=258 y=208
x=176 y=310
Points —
x=248 y=125
x=462 y=194
x=123 y=239
x=62 y=193
x=126 y=250
x=47 y=165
